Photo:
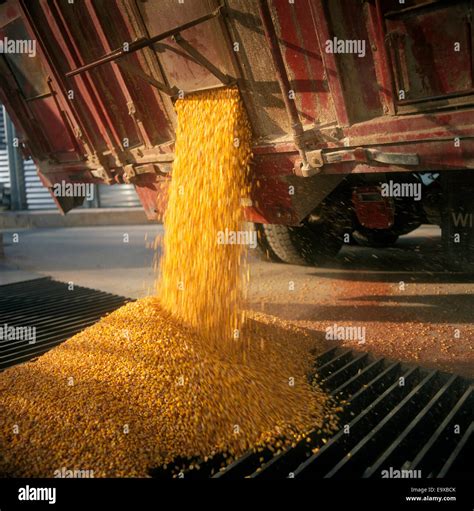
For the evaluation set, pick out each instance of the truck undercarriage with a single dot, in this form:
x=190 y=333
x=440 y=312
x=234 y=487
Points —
x=346 y=100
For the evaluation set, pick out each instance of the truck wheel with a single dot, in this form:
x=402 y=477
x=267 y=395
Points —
x=265 y=249
x=308 y=244
x=457 y=221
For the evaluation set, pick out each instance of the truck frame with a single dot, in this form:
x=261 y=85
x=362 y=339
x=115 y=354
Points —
x=355 y=106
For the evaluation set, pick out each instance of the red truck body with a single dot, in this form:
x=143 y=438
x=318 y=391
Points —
x=373 y=87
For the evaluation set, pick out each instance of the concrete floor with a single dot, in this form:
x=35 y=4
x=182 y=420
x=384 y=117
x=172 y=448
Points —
x=410 y=307
x=96 y=257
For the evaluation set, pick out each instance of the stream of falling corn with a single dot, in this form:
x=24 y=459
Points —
x=201 y=276
x=165 y=378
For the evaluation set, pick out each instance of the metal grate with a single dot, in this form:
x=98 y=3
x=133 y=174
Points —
x=4 y=164
x=56 y=312
x=400 y=421
x=396 y=418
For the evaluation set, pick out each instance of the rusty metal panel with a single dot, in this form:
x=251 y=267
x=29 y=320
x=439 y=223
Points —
x=259 y=86
x=118 y=126
x=152 y=110
x=356 y=71
x=26 y=80
x=108 y=118
x=162 y=15
x=302 y=52
x=425 y=42
x=59 y=54
x=115 y=104
x=84 y=33
x=29 y=73
x=297 y=32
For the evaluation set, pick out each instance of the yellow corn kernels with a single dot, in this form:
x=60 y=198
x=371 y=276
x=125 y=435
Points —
x=201 y=279
x=138 y=390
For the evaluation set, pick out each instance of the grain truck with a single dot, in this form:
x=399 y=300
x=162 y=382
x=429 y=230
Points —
x=362 y=111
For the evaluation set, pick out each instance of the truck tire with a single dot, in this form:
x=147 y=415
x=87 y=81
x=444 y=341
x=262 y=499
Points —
x=319 y=237
x=281 y=242
x=311 y=245
x=265 y=249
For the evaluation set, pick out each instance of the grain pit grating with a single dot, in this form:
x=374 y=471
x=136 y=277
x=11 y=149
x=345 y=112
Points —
x=56 y=312
x=423 y=428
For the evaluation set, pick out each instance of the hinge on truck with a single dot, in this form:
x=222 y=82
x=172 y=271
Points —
x=132 y=172
x=317 y=159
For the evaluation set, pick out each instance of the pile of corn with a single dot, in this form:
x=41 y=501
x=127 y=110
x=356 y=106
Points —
x=202 y=280
x=166 y=377
x=137 y=390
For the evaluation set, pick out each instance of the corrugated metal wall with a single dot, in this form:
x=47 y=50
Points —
x=38 y=197
x=118 y=196
x=4 y=172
